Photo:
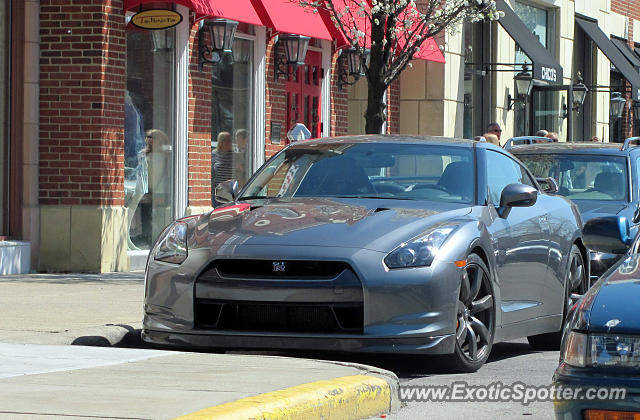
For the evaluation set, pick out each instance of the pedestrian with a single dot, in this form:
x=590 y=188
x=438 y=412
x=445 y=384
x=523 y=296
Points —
x=542 y=133
x=494 y=128
x=553 y=136
x=492 y=138
x=223 y=158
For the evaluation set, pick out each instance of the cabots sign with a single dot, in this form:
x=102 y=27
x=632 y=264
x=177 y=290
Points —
x=156 y=19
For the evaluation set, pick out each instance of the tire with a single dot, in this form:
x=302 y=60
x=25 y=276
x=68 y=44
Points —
x=475 y=320
x=576 y=282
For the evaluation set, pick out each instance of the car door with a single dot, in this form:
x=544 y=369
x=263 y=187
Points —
x=520 y=241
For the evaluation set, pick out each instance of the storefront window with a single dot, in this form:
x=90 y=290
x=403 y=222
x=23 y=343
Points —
x=583 y=59
x=543 y=104
x=5 y=96
x=232 y=115
x=475 y=79
x=149 y=133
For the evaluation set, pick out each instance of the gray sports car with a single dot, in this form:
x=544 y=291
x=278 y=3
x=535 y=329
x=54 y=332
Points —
x=371 y=244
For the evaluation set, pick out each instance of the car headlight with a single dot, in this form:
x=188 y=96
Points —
x=172 y=244
x=575 y=349
x=601 y=350
x=614 y=350
x=419 y=251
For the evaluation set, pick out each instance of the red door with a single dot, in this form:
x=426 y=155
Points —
x=303 y=94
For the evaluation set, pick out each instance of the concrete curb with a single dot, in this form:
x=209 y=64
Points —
x=348 y=397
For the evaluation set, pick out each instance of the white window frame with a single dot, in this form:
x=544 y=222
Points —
x=181 y=176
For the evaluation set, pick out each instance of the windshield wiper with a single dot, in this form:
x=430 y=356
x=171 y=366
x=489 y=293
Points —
x=255 y=197
x=378 y=197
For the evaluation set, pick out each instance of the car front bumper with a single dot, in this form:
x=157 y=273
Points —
x=592 y=386
x=404 y=310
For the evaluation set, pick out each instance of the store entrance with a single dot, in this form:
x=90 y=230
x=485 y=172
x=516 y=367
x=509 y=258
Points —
x=303 y=91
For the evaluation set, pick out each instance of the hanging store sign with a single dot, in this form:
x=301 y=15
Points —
x=156 y=19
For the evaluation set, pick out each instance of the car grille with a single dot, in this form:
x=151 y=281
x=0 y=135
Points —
x=246 y=268
x=280 y=317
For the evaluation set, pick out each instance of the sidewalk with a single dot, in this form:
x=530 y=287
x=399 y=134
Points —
x=41 y=376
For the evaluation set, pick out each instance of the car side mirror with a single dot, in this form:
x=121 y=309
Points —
x=226 y=191
x=549 y=185
x=516 y=195
x=608 y=234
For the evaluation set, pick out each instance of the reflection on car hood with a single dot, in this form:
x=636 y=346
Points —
x=614 y=309
x=374 y=224
x=590 y=209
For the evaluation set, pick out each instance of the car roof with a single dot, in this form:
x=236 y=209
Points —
x=391 y=139
x=581 y=147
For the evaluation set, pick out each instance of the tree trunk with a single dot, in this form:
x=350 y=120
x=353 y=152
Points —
x=375 y=114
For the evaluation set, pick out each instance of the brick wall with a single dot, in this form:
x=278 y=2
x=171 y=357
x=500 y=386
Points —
x=82 y=82
x=199 y=147
x=339 y=103
x=393 y=108
x=276 y=103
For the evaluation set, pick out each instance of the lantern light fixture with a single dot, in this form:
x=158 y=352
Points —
x=295 y=49
x=524 y=82
x=221 y=33
x=354 y=66
x=617 y=104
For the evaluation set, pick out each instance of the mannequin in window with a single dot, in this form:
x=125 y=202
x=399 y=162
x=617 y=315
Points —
x=136 y=182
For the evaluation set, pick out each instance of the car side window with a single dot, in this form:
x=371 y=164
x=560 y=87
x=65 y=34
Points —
x=502 y=171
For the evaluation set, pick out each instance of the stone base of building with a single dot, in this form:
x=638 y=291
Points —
x=83 y=239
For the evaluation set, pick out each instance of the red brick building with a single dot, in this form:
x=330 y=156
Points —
x=111 y=127
x=125 y=128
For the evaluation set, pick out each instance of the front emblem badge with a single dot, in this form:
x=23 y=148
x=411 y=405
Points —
x=278 y=267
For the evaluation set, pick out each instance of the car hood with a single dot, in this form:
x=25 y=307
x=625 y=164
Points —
x=379 y=225
x=614 y=308
x=590 y=209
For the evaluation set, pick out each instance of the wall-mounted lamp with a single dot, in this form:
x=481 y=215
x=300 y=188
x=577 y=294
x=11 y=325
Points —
x=616 y=106
x=295 y=49
x=354 y=66
x=579 y=94
x=221 y=33
x=524 y=82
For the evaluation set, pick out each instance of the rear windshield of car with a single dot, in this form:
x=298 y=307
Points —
x=377 y=170
x=582 y=177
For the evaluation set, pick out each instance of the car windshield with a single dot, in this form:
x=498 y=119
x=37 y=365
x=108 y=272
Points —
x=582 y=177
x=371 y=170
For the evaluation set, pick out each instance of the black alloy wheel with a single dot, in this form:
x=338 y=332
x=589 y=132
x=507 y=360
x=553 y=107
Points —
x=576 y=283
x=475 y=320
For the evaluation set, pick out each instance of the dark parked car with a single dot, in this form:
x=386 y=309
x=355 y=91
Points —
x=601 y=342
x=603 y=179
x=371 y=244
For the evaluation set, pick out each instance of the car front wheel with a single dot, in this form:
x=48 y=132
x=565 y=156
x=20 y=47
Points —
x=475 y=318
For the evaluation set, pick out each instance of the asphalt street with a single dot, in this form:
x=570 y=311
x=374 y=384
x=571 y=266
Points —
x=510 y=363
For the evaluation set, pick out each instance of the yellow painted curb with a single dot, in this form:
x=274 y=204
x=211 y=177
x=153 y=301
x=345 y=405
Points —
x=348 y=397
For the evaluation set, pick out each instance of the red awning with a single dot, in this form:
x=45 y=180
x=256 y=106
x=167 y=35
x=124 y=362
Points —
x=202 y=8
x=287 y=16
x=429 y=49
x=240 y=10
